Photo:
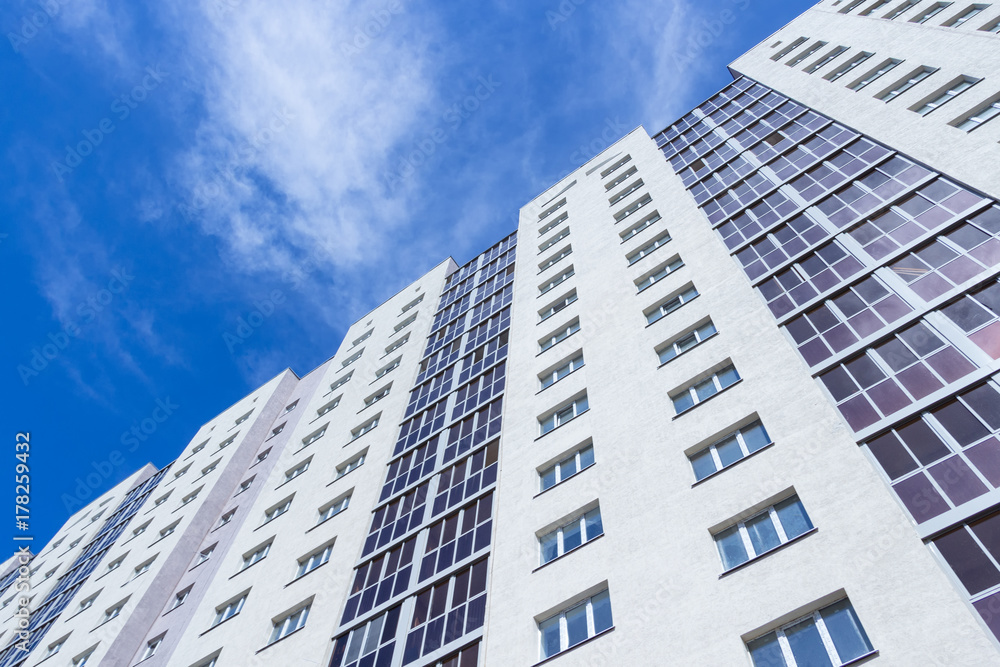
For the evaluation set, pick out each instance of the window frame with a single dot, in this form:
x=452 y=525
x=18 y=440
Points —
x=583 y=522
x=576 y=407
x=562 y=621
x=556 y=468
x=692 y=389
x=827 y=638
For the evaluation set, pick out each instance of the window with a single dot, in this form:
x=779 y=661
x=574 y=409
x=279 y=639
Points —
x=262 y=456
x=314 y=560
x=560 y=336
x=572 y=626
x=556 y=307
x=413 y=303
x=577 y=532
x=945 y=96
x=183 y=471
x=204 y=555
x=805 y=54
x=88 y=603
x=552 y=225
x=562 y=371
x=244 y=485
x=278 y=429
x=686 y=342
x=562 y=277
x=554 y=240
x=227 y=611
x=566 y=468
x=398 y=344
x=151 y=647
x=341 y=382
x=734 y=447
x=353 y=464
x=971 y=122
x=552 y=209
x=198 y=448
x=851 y=7
x=563 y=415
x=226 y=518
x=242 y=419
x=671 y=305
x=277 y=510
x=460 y=598
x=169 y=530
x=351 y=359
x=931 y=12
x=113 y=565
x=291 y=406
x=289 y=624
x=643 y=202
x=334 y=508
x=364 y=428
x=374 y=641
x=54 y=647
x=181 y=597
x=626 y=192
x=190 y=497
x=701 y=391
x=879 y=4
x=762 y=532
x=848 y=66
x=617 y=165
x=552 y=261
x=648 y=249
x=825 y=60
x=874 y=74
x=327 y=407
x=297 y=470
x=255 y=556
x=142 y=569
x=314 y=436
x=378 y=396
x=389 y=368
x=405 y=323
x=788 y=49
x=832 y=635
x=659 y=273
x=228 y=441
x=900 y=10
x=902 y=86
x=114 y=611
x=643 y=224
x=210 y=467
x=81 y=660
x=362 y=338
x=141 y=529
x=622 y=178
x=962 y=18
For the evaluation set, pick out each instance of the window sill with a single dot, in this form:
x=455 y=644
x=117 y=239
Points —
x=220 y=623
x=330 y=518
x=769 y=552
x=304 y=575
x=733 y=464
x=862 y=658
x=268 y=522
x=358 y=437
x=689 y=349
x=232 y=576
x=563 y=481
x=279 y=640
x=574 y=646
x=559 y=380
x=340 y=478
x=575 y=417
x=700 y=403
x=567 y=553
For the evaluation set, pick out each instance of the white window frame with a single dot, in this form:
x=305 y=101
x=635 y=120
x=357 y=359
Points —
x=617 y=165
x=362 y=338
x=901 y=9
x=832 y=55
x=561 y=416
x=672 y=304
x=557 y=469
x=555 y=259
x=614 y=199
x=323 y=409
x=970 y=12
x=341 y=381
x=181 y=597
x=205 y=554
x=821 y=628
x=557 y=534
x=245 y=485
x=226 y=518
x=875 y=74
x=398 y=344
x=367 y=427
x=741 y=528
x=378 y=395
x=405 y=323
x=331 y=510
x=560 y=618
x=315 y=435
x=564 y=233
x=693 y=393
x=151 y=647
x=941 y=98
x=980 y=117
x=904 y=85
x=552 y=225
x=561 y=335
x=309 y=563
x=388 y=368
x=288 y=624
x=353 y=464
x=553 y=376
x=570 y=298
x=561 y=278
x=351 y=359
x=631 y=171
x=931 y=12
x=640 y=226
x=225 y=612
x=648 y=249
x=816 y=46
x=297 y=470
x=680 y=345
x=276 y=511
x=659 y=274
x=713 y=452
x=850 y=65
x=257 y=555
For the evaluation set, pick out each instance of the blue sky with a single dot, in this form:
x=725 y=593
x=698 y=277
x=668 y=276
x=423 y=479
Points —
x=169 y=166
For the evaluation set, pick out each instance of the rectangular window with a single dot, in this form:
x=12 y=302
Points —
x=659 y=273
x=327 y=407
x=904 y=85
x=974 y=120
x=560 y=417
x=642 y=225
x=832 y=635
x=228 y=441
x=180 y=597
x=314 y=560
x=297 y=470
x=353 y=464
x=672 y=304
x=169 y=529
x=334 y=508
x=562 y=277
x=851 y=7
x=550 y=378
x=556 y=307
x=559 y=336
x=151 y=647
x=378 y=395
x=848 y=66
x=622 y=178
x=552 y=261
x=648 y=249
x=552 y=209
x=644 y=201
x=461 y=599
x=351 y=359
x=762 y=532
x=412 y=304
x=825 y=60
x=277 y=510
x=877 y=5
x=549 y=226
x=314 y=436
x=577 y=532
x=879 y=71
x=405 y=323
x=190 y=497
x=992 y=26
x=228 y=610
x=617 y=165
x=398 y=344
x=944 y=96
x=245 y=485
x=576 y=624
x=901 y=9
x=341 y=382
x=566 y=468
x=375 y=642
x=788 y=49
x=691 y=396
x=242 y=419
x=805 y=54
x=255 y=556
x=729 y=450
x=686 y=342
x=364 y=428
x=931 y=12
x=391 y=366
x=204 y=555
x=365 y=336
x=554 y=240
x=964 y=16
x=625 y=193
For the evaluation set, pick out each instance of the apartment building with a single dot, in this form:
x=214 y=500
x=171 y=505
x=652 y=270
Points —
x=728 y=395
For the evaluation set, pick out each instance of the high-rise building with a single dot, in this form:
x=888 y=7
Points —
x=735 y=402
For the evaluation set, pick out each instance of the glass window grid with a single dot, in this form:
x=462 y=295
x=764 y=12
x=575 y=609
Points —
x=976 y=314
x=762 y=532
x=972 y=554
x=334 y=509
x=487 y=330
x=575 y=624
x=569 y=536
x=841 y=167
x=777 y=247
x=741 y=196
x=554 y=240
x=871 y=191
x=875 y=74
x=563 y=415
x=723 y=159
x=952 y=258
x=421 y=426
x=702 y=390
x=448 y=611
x=931 y=12
x=408 y=469
x=631 y=171
x=822 y=269
x=890 y=376
x=810 y=151
x=845 y=318
x=642 y=225
x=687 y=341
x=393 y=520
x=379 y=580
x=649 y=248
x=562 y=277
x=441 y=359
x=458 y=536
x=825 y=60
x=562 y=371
x=946 y=457
x=903 y=86
x=562 y=335
x=488 y=385
x=289 y=624
x=484 y=356
x=555 y=308
x=729 y=450
x=473 y=430
x=671 y=305
x=430 y=390
x=466 y=478
x=849 y=66
x=576 y=462
x=375 y=641
x=832 y=635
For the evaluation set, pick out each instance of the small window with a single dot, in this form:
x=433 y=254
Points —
x=901 y=9
x=205 y=554
x=762 y=532
x=228 y=441
x=552 y=209
x=341 y=382
x=640 y=226
x=351 y=359
x=289 y=624
x=558 y=306
x=113 y=565
x=86 y=604
x=944 y=96
x=788 y=49
x=624 y=176
x=877 y=5
x=832 y=635
x=181 y=597
x=931 y=12
x=550 y=378
x=291 y=406
x=353 y=464
x=560 y=335
x=378 y=395
x=563 y=415
x=982 y=115
x=617 y=165
x=210 y=467
x=686 y=342
x=190 y=497
x=309 y=563
x=659 y=273
x=240 y=420
x=230 y=609
x=554 y=240
x=848 y=66
x=577 y=532
x=81 y=660
x=169 y=530
x=255 y=556
x=297 y=470
x=388 y=368
x=729 y=450
x=576 y=624
x=805 y=54
x=162 y=499
x=114 y=611
x=697 y=393
x=143 y=568
x=365 y=428
x=904 y=85
x=151 y=647
x=963 y=17
x=226 y=518
x=245 y=485
x=579 y=460
x=670 y=305
x=314 y=436
x=141 y=529
x=992 y=26
x=183 y=471
x=362 y=338
x=405 y=323
x=413 y=303
x=552 y=225
x=559 y=256
x=879 y=71
x=626 y=192
x=198 y=448
x=278 y=429
x=852 y=6
x=632 y=209
x=649 y=248
x=562 y=277
x=262 y=456
x=54 y=647
x=329 y=406
x=398 y=344
x=825 y=60
x=277 y=510
x=333 y=509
